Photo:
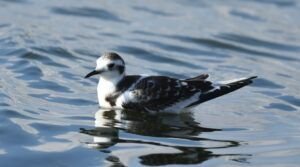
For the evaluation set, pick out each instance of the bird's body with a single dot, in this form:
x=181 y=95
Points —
x=154 y=93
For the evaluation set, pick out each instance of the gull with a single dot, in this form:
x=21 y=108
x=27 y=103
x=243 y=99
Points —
x=116 y=90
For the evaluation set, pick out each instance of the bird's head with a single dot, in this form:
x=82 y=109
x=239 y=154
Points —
x=110 y=65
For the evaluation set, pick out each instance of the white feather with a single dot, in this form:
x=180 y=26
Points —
x=230 y=81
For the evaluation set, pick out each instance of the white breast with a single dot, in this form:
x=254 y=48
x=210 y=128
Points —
x=104 y=88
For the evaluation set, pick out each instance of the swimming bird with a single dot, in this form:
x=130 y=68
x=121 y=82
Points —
x=154 y=93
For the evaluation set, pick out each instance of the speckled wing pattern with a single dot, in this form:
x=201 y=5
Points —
x=156 y=93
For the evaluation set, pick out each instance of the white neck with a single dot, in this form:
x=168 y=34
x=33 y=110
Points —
x=113 y=81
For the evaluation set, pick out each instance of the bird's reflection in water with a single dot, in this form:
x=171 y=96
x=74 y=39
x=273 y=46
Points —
x=179 y=132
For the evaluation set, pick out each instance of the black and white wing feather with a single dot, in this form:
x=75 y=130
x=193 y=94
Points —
x=157 y=93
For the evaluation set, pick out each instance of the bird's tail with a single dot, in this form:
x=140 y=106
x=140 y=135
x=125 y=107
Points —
x=223 y=88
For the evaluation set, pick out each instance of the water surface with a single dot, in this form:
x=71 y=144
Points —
x=49 y=113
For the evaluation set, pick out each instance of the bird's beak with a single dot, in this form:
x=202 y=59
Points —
x=92 y=73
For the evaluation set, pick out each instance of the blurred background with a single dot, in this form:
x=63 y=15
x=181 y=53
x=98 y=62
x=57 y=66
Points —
x=49 y=114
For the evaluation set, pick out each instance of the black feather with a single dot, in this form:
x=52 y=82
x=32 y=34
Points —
x=222 y=90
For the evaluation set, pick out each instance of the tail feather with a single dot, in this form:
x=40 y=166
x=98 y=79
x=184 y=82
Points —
x=223 y=88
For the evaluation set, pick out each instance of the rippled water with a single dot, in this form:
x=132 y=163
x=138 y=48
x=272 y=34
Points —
x=49 y=114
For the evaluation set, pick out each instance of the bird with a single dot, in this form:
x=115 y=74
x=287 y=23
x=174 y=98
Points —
x=116 y=90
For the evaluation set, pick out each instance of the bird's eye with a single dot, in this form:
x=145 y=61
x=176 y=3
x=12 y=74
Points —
x=110 y=65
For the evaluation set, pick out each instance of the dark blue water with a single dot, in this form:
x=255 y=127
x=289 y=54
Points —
x=49 y=114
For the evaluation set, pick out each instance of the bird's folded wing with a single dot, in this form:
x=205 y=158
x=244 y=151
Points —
x=159 y=92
